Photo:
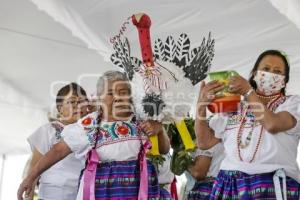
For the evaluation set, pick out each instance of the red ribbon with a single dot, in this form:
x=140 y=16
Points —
x=174 y=189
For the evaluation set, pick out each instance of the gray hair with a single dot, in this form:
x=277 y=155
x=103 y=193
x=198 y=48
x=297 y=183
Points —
x=110 y=76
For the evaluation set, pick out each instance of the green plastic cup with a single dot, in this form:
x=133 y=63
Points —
x=223 y=77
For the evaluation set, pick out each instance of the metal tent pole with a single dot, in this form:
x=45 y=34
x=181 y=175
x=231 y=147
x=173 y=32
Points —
x=2 y=173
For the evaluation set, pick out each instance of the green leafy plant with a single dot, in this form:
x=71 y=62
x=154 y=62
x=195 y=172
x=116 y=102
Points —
x=181 y=158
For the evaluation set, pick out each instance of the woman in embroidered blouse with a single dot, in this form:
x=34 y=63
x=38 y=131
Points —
x=71 y=104
x=119 y=142
x=260 y=139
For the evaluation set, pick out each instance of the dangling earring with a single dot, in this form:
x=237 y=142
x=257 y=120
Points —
x=91 y=106
x=60 y=117
x=99 y=107
x=52 y=118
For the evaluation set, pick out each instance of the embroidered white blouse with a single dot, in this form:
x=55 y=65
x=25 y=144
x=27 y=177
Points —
x=116 y=141
x=276 y=151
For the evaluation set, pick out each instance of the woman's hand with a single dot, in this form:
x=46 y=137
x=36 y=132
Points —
x=58 y=152
x=151 y=127
x=26 y=186
x=208 y=91
x=239 y=85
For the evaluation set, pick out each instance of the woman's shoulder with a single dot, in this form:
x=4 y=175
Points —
x=84 y=124
x=290 y=101
x=44 y=129
x=88 y=121
x=293 y=98
x=46 y=126
x=43 y=137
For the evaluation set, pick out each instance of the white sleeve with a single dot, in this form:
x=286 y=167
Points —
x=200 y=152
x=218 y=149
x=218 y=123
x=292 y=105
x=215 y=150
x=40 y=139
x=77 y=139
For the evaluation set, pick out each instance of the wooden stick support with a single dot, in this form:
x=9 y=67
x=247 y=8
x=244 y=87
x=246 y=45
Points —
x=185 y=135
x=155 y=149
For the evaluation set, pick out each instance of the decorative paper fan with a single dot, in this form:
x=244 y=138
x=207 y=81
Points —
x=122 y=57
x=163 y=82
x=180 y=67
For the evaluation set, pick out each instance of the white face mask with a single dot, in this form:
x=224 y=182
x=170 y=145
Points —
x=269 y=83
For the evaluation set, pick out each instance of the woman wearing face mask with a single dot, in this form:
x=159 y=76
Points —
x=260 y=139
x=61 y=180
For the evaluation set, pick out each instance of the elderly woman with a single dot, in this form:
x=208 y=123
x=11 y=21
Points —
x=119 y=142
x=260 y=139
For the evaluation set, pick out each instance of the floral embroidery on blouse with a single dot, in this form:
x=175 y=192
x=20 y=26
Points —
x=112 y=132
x=108 y=132
x=58 y=129
x=234 y=118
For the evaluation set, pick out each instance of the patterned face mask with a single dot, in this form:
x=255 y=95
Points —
x=269 y=83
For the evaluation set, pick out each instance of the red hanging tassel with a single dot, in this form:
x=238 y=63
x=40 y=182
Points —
x=174 y=189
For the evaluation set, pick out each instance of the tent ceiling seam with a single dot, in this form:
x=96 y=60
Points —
x=43 y=38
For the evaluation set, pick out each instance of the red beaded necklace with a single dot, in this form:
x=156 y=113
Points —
x=269 y=97
x=241 y=128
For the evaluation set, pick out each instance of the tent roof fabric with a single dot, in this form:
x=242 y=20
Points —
x=39 y=52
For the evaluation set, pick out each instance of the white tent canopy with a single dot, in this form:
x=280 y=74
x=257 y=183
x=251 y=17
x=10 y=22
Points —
x=38 y=51
x=289 y=8
x=39 y=54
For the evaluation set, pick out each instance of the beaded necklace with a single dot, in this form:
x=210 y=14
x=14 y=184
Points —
x=272 y=105
x=271 y=97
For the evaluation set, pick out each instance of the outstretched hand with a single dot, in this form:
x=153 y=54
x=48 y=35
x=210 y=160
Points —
x=25 y=187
